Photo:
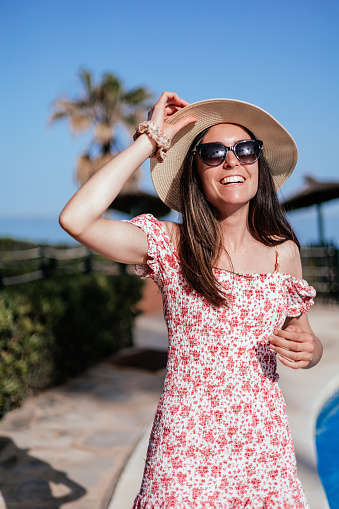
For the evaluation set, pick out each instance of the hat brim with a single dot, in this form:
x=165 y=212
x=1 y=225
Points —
x=279 y=148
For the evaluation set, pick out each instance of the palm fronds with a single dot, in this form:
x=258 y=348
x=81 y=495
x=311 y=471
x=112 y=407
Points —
x=100 y=108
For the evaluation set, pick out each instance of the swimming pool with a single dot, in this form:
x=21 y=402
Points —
x=327 y=443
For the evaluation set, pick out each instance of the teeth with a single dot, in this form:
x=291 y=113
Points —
x=233 y=180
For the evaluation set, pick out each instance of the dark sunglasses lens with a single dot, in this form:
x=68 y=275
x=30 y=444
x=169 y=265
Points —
x=247 y=151
x=212 y=154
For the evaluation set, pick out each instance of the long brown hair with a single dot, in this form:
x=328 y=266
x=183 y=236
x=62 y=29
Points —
x=200 y=241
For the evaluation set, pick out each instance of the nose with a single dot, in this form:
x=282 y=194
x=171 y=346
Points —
x=231 y=160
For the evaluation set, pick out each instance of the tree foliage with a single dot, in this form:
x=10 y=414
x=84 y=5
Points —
x=51 y=330
x=101 y=108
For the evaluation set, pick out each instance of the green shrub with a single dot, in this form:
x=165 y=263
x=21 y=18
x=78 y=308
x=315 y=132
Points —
x=53 y=329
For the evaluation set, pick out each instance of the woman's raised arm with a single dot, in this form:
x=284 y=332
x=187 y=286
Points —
x=82 y=216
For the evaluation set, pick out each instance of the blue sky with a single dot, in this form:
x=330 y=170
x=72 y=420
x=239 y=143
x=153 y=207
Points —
x=281 y=56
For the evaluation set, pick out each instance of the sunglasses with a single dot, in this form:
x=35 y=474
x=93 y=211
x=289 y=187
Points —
x=213 y=154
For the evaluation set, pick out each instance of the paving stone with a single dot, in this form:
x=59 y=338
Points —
x=108 y=439
x=20 y=420
x=66 y=447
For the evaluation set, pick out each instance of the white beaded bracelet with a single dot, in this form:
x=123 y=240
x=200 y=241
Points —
x=153 y=131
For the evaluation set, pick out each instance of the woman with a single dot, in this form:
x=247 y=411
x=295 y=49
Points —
x=230 y=277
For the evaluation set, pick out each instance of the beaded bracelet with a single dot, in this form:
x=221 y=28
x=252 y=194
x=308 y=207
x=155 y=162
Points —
x=153 y=131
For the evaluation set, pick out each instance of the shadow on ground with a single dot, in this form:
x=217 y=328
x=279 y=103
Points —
x=30 y=482
x=141 y=358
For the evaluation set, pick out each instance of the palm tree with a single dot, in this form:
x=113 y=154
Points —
x=101 y=108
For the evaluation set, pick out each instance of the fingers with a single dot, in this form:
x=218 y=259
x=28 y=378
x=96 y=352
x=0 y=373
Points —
x=150 y=113
x=297 y=341
x=168 y=104
x=168 y=98
x=294 y=328
x=180 y=124
x=169 y=101
x=170 y=110
x=293 y=364
x=294 y=346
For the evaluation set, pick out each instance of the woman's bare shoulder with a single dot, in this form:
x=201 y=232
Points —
x=172 y=230
x=289 y=259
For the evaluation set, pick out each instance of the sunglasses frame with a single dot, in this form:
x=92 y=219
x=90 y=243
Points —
x=199 y=147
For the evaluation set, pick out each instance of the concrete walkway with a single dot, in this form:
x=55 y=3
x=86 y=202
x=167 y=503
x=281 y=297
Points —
x=66 y=448
x=76 y=445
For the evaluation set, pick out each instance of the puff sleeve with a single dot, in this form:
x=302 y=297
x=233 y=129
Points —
x=299 y=296
x=162 y=256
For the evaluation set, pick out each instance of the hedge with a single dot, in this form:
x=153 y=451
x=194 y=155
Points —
x=51 y=330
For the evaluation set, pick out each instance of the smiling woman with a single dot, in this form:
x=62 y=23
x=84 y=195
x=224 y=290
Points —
x=234 y=300
x=207 y=207
x=233 y=176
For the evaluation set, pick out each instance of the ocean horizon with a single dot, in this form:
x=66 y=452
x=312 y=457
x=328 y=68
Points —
x=48 y=231
x=40 y=229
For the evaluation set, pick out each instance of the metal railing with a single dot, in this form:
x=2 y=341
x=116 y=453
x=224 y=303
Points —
x=320 y=266
x=320 y=269
x=39 y=263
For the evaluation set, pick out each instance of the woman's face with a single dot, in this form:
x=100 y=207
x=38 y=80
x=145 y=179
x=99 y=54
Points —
x=220 y=189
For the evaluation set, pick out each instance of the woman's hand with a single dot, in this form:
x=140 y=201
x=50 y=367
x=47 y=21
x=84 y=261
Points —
x=168 y=104
x=295 y=347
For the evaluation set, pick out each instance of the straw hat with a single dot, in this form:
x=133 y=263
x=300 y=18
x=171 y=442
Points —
x=279 y=148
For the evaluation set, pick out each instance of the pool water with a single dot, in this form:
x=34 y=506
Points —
x=327 y=443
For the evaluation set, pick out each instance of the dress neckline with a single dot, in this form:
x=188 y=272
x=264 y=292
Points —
x=240 y=274
x=248 y=274
x=256 y=274
x=283 y=275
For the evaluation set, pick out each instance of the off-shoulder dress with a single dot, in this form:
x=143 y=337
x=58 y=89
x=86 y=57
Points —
x=220 y=437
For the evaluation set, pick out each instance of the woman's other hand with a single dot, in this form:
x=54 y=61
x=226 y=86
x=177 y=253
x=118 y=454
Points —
x=296 y=345
x=168 y=104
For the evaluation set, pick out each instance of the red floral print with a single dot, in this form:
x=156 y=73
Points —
x=220 y=437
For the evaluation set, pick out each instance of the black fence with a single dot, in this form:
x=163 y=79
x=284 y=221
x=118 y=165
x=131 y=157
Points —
x=320 y=269
x=27 y=265
x=320 y=266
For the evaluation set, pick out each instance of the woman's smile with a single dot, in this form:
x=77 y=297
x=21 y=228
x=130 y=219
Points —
x=231 y=182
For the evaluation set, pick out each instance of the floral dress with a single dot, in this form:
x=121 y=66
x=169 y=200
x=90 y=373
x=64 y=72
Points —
x=220 y=438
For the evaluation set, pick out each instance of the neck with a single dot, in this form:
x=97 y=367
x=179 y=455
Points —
x=234 y=226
